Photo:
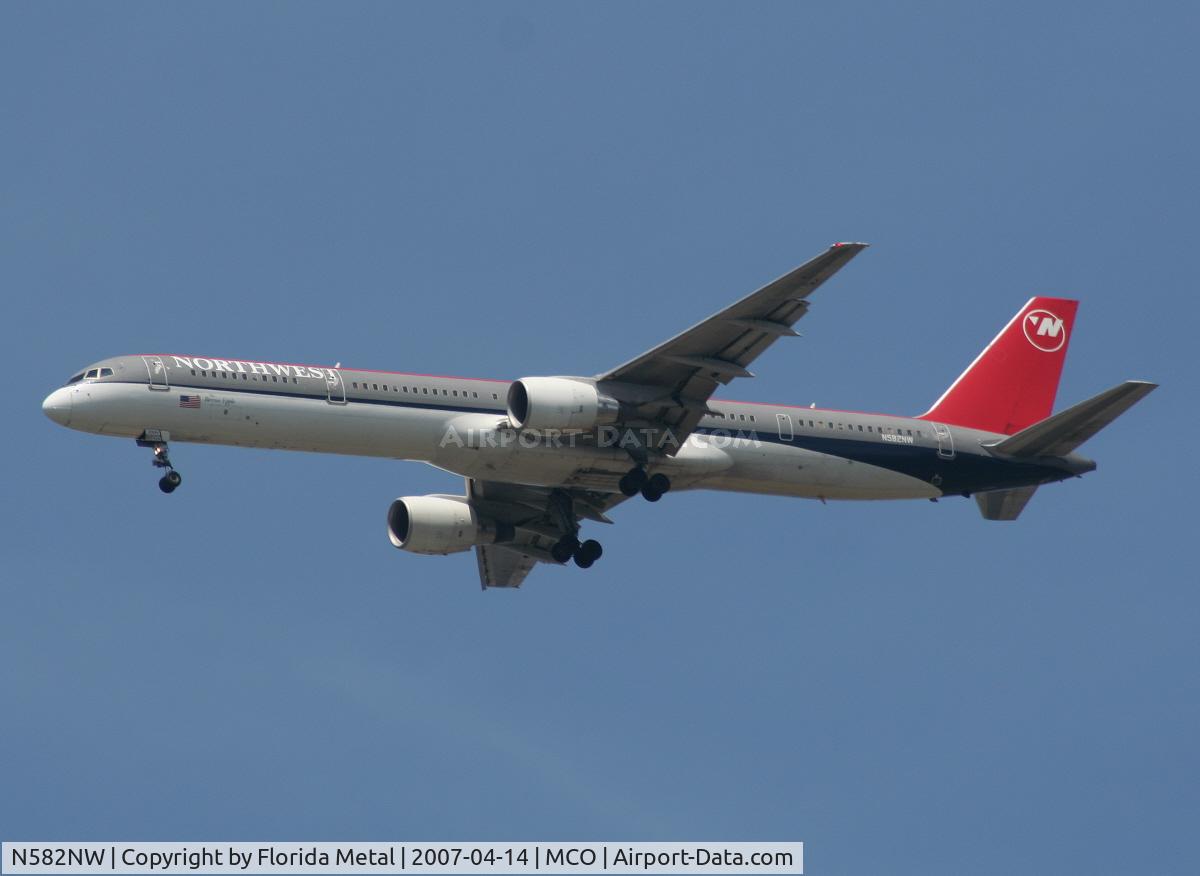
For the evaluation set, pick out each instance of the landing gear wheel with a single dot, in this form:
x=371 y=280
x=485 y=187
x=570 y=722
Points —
x=633 y=481
x=156 y=440
x=587 y=553
x=654 y=488
x=564 y=549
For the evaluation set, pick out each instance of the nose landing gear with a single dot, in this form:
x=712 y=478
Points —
x=168 y=482
x=157 y=441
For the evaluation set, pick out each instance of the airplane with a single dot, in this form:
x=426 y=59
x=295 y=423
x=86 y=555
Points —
x=541 y=455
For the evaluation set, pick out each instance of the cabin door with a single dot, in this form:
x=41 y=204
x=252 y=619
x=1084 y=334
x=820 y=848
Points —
x=945 y=441
x=158 y=372
x=335 y=390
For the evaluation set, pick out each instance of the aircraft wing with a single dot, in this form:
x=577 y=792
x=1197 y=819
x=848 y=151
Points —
x=687 y=369
x=539 y=516
x=502 y=566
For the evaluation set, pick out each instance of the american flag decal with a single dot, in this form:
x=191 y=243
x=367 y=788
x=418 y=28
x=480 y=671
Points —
x=189 y=401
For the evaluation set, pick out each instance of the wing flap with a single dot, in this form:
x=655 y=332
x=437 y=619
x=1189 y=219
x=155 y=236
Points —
x=502 y=566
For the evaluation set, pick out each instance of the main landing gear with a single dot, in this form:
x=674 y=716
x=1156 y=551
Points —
x=652 y=487
x=584 y=553
x=569 y=547
x=157 y=441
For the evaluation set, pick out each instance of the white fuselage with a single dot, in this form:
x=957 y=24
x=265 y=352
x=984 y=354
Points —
x=744 y=447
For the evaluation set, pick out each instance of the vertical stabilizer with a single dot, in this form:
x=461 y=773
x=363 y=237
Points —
x=1011 y=385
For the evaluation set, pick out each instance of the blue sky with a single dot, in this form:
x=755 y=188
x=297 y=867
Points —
x=508 y=190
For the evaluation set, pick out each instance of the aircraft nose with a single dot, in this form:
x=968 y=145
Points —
x=57 y=406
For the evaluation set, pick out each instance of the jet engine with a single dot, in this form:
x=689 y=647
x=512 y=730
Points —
x=440 y=525
x=567 y=404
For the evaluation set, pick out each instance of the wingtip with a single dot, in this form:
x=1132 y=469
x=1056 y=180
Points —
x=851 y=243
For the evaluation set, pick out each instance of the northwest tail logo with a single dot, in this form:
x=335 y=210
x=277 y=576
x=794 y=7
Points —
x=1045 y=330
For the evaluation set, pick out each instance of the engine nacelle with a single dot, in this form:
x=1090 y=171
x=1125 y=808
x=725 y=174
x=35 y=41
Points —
x=440 y=525
x=566 y=404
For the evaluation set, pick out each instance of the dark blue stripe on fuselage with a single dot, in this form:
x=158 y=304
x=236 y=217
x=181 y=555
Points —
x=965 y=473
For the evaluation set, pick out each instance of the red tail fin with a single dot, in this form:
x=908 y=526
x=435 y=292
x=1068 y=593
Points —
x=1012 y=383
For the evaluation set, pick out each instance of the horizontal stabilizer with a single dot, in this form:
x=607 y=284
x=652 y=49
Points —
x=1060 y=434
x=1004 y=504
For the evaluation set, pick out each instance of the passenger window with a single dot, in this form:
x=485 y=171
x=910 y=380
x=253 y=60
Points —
x=274 y=379
x=474 y=395
x=860 y=427
x=375 y=386
x=494 y=396
x=752 y=418
x=424 y=390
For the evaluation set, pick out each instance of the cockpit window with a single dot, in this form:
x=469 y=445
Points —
x=94 y=372
x=78 y=377
x=106 y=372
